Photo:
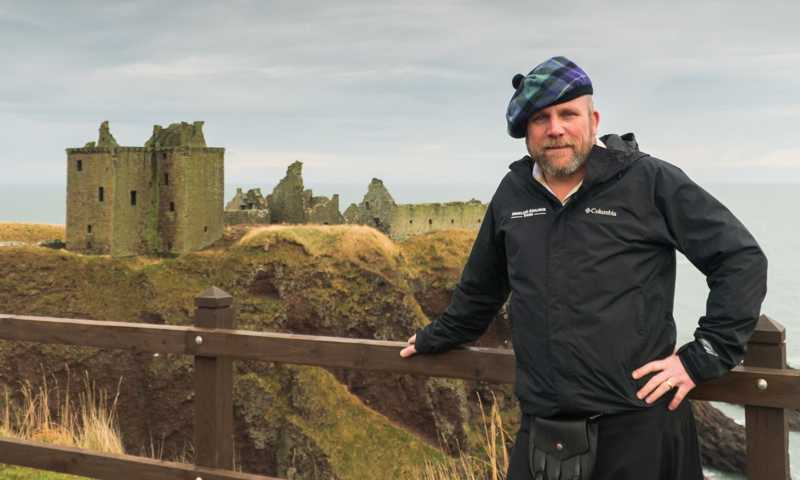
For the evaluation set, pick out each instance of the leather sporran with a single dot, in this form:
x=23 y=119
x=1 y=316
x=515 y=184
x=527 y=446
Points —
x=562 y=449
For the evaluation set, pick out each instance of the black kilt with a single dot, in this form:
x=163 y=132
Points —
x=650 y=444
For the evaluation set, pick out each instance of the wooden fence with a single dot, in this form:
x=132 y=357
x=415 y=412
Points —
x=763 y=385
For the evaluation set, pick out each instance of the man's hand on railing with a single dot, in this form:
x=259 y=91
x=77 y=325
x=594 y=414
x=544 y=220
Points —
x=410 y=349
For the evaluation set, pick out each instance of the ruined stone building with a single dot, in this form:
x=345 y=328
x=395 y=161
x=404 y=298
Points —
x=289 y=202
x=378 y=209
x=164 y=197
x=247 y=208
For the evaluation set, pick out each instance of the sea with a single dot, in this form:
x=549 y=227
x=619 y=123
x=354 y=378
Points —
x=770 y=212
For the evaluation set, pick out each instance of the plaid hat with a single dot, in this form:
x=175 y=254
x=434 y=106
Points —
x=557 y=80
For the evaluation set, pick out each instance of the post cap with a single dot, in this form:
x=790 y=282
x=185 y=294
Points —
x=768 y=331
x=213 y=297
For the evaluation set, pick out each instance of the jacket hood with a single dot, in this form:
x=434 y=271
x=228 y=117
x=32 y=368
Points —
x=603 y=163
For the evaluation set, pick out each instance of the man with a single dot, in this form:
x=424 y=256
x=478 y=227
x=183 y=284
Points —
x=582 y=233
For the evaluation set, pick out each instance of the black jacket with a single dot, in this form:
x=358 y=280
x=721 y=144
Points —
x=592 y=283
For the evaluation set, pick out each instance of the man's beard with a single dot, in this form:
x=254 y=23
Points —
x=551 y=170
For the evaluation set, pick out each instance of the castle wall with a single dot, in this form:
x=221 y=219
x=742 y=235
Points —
x=84 y=209
x=415 y=219
x=199 y=197
x=164 y=197
x=246 y=217
x=135 y=226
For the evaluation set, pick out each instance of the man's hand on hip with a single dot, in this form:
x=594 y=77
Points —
x=671 y=375
x=410 y=349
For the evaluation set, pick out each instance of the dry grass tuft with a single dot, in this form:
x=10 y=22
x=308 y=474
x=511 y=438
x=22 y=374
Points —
x=492 y=464
x=93 y=426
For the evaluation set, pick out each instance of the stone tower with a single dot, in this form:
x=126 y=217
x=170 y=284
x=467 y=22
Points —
x=165 y=197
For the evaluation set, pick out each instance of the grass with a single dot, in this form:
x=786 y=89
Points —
x=490 y=464
x=30 y=232
x=91 y=426
x=342 y=280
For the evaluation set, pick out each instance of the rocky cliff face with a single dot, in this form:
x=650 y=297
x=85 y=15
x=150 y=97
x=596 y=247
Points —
x=295 y=422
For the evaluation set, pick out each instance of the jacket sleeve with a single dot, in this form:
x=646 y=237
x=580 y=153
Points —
x=719 y=245
x=478 y=296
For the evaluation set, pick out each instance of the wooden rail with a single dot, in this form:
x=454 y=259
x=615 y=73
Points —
x=763 y=384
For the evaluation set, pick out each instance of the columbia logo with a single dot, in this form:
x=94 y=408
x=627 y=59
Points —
x=529 y=212
x=600 y=211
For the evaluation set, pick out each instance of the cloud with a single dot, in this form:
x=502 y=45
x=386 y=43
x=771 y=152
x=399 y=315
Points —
x=786 y=158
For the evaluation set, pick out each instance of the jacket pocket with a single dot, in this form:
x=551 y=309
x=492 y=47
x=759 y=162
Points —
x=640 y=312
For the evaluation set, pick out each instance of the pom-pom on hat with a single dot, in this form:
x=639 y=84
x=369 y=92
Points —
x=554 y=81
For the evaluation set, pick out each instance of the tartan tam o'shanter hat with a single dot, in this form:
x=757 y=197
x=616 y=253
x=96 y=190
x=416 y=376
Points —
x=554 y=81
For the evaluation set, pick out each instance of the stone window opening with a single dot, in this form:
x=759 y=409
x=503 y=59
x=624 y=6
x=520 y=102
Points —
x=452 y=221
x=205 y=229
x=366 y=204
x=100 y=194
x=80 y=165
x=479 y=220
x=166 y=178
x=169 y=246
x=411 y=221
x=171 y=206
x=133 y=198
x=88 y=245
x=430 y=221
x=89 y=228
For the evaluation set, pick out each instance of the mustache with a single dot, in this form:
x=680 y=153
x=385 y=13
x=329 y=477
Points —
x=557 y=145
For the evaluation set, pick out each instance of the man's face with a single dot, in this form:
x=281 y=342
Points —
x=561 y=136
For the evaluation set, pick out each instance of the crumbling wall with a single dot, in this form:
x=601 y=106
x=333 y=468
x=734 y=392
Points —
x=287 y=201
x=375 y=210
x=246 y=217
x=177 y=135
x=325 y=211
x=252 y=200
x=378 y=209
x=415 y=219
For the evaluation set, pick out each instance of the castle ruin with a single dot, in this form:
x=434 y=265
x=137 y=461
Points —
x=289 y=202
x=378 y=209
x=165 y=197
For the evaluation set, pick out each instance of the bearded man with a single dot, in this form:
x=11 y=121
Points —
x=582 y=234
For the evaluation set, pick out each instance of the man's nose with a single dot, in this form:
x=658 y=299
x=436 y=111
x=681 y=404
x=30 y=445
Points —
x=555 y=128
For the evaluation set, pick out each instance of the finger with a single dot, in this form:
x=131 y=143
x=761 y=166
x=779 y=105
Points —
x=412 y=339
x=658 y=392
x=652 y=384
x=648 y=368
x=679 y=396
x=408 y=351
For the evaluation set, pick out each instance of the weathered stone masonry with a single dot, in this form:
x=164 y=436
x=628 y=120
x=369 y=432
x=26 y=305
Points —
x=378 y=209
x=289 y=202
x=165 y=197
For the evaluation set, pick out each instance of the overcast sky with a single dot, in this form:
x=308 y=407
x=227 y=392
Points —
x=410 y=92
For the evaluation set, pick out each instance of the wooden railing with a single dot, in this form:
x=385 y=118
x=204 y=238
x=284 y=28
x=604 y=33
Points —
x=763 y=385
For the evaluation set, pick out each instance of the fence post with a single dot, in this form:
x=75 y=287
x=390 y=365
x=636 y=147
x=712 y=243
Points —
x=766 y=428
x=213 y=386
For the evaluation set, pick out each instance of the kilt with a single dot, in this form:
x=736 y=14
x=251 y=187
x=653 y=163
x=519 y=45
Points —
x=649 y=444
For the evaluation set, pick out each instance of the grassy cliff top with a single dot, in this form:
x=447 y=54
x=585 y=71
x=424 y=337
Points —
x=343 y=280
x=30 y=232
